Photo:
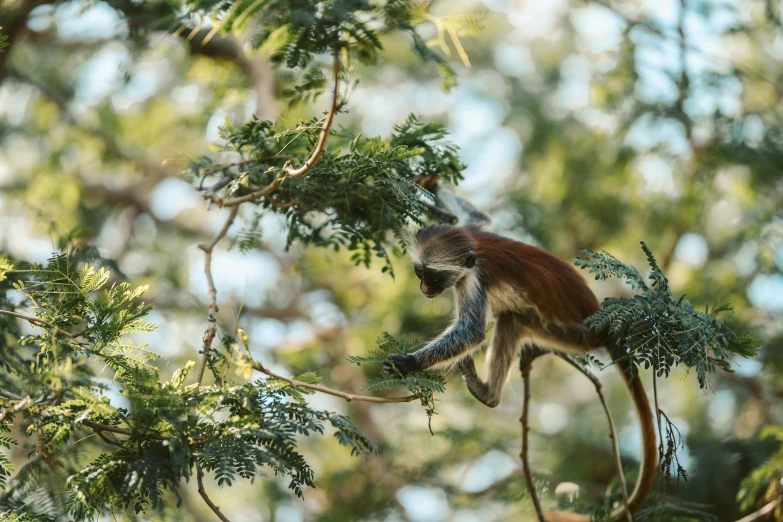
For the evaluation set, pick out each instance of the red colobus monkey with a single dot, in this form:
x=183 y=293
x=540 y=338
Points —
x=534 y=298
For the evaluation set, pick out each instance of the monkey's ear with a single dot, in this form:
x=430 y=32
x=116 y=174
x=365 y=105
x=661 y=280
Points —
x=470 y=262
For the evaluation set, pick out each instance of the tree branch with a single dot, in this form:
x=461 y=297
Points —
x=612 y=430
x=288 y=169
x=39 y=322
x=526 y=366
x=329 y=391
x=321 y=145
x=203 y=493
x=767 y=509
x=211 y=331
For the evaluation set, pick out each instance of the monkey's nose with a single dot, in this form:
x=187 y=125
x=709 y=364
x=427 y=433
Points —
x=424 y=288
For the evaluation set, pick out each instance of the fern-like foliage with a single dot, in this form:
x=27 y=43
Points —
x=151 y=443
x=659 y=330
x=360 y=196
x=423 y=384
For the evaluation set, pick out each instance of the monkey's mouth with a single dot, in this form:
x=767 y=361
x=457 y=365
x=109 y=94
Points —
x=432 y=295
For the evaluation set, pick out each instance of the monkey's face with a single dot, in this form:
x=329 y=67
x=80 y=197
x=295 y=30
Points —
x=432 y=283
x=442 y=255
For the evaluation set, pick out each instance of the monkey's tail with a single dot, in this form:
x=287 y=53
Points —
x=649 y=461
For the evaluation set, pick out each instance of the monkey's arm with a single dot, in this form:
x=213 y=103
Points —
x=466 y=334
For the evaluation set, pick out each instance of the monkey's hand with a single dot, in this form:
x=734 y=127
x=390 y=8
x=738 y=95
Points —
x=405 y=364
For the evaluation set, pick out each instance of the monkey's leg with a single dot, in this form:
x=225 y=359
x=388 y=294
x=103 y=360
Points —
x=572 y=338
x=506 y=338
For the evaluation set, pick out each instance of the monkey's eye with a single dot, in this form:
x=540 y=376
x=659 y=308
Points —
x=417 y=270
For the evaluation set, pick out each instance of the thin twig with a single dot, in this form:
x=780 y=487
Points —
x=40 y=322
x=203 y=493
x=612 y=430
x=329 y=391
x=211 y=331
x=767 y=509
x=526 y=367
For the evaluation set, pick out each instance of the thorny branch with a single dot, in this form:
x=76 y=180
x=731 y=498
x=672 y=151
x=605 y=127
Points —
x=612 y=430
x=211 y=331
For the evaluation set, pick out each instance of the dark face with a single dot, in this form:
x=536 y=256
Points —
x=434 y=282
x=442 y=255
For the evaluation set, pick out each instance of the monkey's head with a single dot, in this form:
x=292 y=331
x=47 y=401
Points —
x=442 y=255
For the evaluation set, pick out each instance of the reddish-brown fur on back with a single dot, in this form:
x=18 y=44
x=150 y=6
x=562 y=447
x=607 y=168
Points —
x=551 y=285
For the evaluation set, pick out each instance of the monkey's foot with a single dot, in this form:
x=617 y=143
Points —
x=404 y=363
x=468 y=368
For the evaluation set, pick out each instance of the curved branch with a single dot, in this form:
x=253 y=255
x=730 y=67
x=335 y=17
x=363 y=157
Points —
x=256 y=194
x=211 y=331
x=203 y=493
x=329 y=391
x=25 y=404
x=321 y=145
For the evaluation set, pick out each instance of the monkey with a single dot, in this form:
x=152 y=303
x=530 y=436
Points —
x=535 y=300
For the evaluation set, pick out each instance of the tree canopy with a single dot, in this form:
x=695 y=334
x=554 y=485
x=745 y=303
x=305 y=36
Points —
x=204 y=209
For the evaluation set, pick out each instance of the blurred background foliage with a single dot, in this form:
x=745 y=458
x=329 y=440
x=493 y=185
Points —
x=582 y=124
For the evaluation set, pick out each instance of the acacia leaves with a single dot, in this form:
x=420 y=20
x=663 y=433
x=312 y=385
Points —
x=657 y=329
x=361 y=195
x=151 y=439
x=423 y=384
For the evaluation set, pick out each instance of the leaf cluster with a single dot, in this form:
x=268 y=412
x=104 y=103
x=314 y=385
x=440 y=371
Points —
x=149 y=441
x=423 y=384
x=656 y=328
x=361 y=195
